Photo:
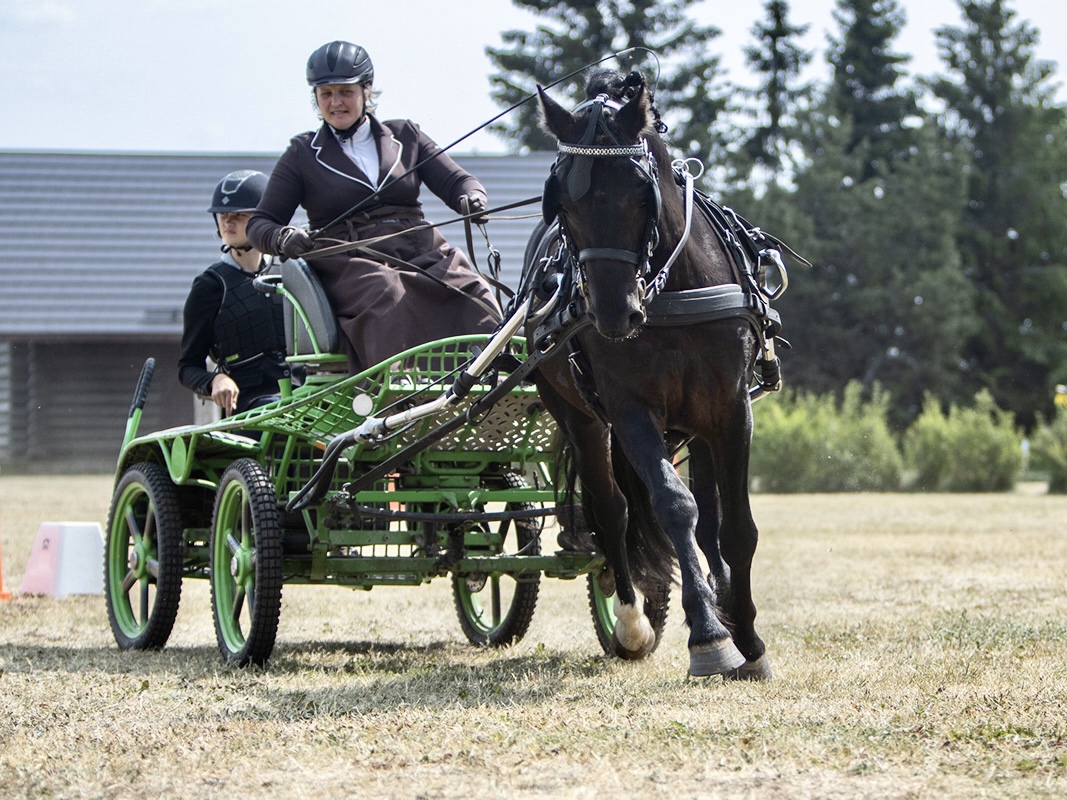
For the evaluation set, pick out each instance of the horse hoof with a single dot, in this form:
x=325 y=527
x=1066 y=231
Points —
x=605 y=581
x=633 y=637
x=758 y=670
x=631 y=654
x=715 y=658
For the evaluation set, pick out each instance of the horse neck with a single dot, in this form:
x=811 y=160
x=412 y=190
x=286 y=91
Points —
x=703 y=261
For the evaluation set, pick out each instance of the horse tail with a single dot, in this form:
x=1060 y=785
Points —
x=648 y=547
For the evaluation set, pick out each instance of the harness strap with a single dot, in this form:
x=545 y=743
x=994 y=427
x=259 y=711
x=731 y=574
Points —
x=627 y=256
x=690 y=306
x=583 y=381
x=657 y=284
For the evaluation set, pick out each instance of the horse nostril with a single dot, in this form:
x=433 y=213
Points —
x=637 y=319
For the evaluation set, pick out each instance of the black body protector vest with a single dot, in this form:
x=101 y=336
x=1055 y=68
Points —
x=249 y=331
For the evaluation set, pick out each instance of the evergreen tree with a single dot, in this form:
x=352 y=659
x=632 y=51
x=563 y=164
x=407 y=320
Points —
x=999 y=106
x=584 y=31
x=778 y=60
x=886 y=302
x=866 y=73
x=880 y=203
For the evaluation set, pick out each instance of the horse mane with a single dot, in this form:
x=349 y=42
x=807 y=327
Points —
x=623 y=88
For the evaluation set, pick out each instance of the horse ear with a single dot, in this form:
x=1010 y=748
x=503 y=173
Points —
x=635 y=116
x=555 y=119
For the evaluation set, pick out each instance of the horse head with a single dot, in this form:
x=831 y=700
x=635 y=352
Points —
x=604 y=188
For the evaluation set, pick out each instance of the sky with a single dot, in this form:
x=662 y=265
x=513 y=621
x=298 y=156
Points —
x=207 y=76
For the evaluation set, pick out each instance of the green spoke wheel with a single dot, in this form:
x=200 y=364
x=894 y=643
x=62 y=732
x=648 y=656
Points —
x=143 y=558
x=246 y=564
x=602 y=601
x=496 y=609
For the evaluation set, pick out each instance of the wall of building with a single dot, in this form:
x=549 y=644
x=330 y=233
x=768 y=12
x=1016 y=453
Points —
x=99 y=286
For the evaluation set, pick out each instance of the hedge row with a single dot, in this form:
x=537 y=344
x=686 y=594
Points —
x=815 y=443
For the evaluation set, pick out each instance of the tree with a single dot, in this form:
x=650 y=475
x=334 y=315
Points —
x=778 y=61
x=877 y=209
x=886 y=302
x=999 y=107
x=585 y=31
x=866 y=73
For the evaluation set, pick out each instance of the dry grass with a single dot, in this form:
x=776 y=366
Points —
x=918 y=643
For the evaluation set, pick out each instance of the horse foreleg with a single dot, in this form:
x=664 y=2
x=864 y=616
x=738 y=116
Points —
x=738 y=537
x=706 y=493
x=633 y=637
x=711 y=648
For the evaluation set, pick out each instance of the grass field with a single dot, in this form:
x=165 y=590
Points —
x=919 y=644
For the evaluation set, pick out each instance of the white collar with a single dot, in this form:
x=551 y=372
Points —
x=362 y=150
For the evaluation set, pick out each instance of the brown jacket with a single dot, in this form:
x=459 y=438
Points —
x=382 y=305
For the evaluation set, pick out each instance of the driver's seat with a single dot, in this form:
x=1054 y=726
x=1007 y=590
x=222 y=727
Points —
x=312 y=337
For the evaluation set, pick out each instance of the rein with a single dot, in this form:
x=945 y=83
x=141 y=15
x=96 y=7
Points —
x=343 y=246
x=365 y=246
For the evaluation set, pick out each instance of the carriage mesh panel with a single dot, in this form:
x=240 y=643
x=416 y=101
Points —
x=515 y=427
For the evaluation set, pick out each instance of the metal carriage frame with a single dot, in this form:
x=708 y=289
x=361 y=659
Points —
x=450 y=476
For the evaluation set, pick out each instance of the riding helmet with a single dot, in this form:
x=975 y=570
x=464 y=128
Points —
x=238 y=191
x=339 y=62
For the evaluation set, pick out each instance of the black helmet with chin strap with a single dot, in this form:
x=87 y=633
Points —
x=238 y=191
x=339 y=62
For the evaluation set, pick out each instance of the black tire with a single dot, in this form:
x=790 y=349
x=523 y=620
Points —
x=143 y=553
x=496 y=610
x=246 y=564
x=601 y=606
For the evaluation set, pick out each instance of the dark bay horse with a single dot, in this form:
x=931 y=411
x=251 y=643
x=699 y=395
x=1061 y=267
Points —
x=640 y=380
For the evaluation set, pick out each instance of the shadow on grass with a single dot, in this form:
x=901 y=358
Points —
x=333 y=679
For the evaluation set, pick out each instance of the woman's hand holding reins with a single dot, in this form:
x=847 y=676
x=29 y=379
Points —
x=293 y=242
x=475 y=203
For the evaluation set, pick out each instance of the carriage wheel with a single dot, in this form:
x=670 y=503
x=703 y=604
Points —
x=496 y=609
x=246 y=564
x=143 y=558
x=602 y=606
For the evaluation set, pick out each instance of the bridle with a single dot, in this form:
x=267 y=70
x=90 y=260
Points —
x=574 y=164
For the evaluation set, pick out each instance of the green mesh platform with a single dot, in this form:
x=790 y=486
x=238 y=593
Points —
x=517 y=423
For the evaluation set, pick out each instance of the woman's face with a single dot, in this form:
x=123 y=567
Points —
x=232 y=227
x=341 y=104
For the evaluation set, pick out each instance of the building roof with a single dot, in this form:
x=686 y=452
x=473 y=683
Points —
x=107 y=244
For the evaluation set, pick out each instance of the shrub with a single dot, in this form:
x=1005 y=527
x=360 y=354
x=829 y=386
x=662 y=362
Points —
x=974 y=449
x=1048 y=450
x=806 y=443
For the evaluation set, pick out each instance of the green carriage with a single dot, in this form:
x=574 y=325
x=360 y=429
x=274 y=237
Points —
x=435 y=463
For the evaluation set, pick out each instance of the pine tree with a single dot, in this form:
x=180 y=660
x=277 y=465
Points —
x=886 y=301
x=581 y=32
x=866 y=73
x=1000 y=108
x=778 y=60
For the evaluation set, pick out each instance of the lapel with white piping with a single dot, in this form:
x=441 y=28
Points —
x=329 y=154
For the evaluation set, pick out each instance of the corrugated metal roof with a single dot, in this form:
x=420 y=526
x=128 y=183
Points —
x=108 y=244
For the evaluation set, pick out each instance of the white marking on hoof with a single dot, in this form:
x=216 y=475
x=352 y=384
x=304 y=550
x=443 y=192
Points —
x=633 y=637
x=715 y=658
